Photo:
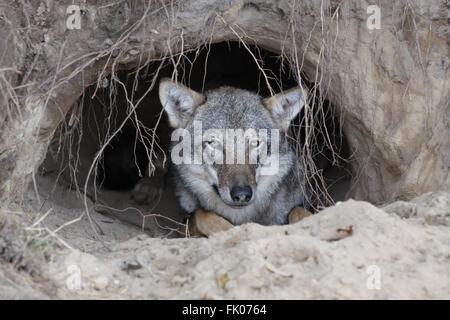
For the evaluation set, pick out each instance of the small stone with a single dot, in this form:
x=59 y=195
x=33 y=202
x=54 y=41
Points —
x=100 y=283
x=132 y=264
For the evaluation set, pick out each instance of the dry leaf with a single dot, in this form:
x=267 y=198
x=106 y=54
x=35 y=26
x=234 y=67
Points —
x=341 y=233
x=222 y=280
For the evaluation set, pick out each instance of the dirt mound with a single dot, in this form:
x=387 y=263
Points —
x=350 y=250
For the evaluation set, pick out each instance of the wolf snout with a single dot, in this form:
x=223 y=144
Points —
x=241 y=195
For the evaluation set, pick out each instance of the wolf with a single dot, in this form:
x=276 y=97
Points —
x=238 y=192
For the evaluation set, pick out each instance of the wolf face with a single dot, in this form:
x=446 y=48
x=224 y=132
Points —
x=234 y=158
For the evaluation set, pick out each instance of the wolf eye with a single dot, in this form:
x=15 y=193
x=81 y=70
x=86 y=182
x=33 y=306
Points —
x=255 y=143
x=212 y=142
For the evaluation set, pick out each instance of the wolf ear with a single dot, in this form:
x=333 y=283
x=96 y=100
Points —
x=285 y=106
x=178 y=101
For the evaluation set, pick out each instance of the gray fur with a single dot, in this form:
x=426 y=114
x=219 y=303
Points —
x=231 y=108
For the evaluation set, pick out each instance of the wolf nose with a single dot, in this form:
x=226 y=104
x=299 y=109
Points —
x=241 y=194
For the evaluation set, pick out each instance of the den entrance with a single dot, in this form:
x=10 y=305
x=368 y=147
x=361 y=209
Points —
x=118 y=132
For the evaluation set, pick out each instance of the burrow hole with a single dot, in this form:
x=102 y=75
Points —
x=103 y=108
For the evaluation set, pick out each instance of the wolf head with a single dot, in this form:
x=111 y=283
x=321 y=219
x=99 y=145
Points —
x=209 y=121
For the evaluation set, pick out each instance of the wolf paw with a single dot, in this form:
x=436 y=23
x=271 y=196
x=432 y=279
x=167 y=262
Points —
x=147 y=191
x=204 y=224
x=297 y=214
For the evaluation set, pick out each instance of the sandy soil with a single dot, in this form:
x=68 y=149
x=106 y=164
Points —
x=350 y=250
